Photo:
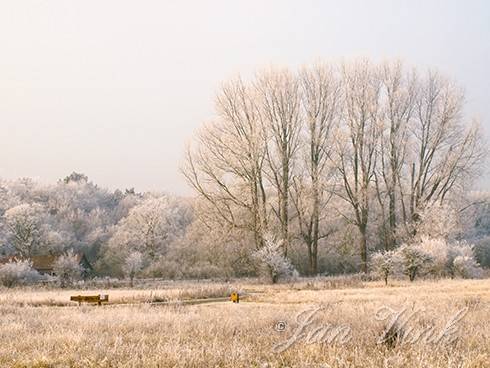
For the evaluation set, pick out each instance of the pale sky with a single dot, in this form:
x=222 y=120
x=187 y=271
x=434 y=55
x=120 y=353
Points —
x=115 y=89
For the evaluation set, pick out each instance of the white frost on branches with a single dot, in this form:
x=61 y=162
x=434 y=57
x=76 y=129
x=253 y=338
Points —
x=272 y=260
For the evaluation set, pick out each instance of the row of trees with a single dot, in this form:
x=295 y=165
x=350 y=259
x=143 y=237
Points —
x=160 y=236
x=328 y=169
x=304 y=154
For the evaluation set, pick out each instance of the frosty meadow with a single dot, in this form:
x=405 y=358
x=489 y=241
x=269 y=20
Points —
x=40 y=328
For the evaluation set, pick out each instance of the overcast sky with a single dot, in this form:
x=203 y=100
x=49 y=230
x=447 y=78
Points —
x=115 y=89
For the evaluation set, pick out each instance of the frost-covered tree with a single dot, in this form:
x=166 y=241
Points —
x=399 y=93
x=24 y=228
x=462 y=260
x=67 y=268
x=226 y=164
x=132 y=265
x=445 y=150
x=152 y=226
x=313 y=179
x=279 y=92
x=436 y=221
x=357 y=146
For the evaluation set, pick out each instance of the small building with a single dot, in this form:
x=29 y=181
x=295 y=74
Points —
x=45 y=264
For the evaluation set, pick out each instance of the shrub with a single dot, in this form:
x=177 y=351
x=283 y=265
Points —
x=273 y=264
x=444 y=255
x=413 y=260
x=440 y=253
x=467 y=267
x=67 y=269
x=18 y=273
x=385 y=264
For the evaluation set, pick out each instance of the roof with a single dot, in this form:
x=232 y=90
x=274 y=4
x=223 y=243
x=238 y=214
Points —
x=43 y=263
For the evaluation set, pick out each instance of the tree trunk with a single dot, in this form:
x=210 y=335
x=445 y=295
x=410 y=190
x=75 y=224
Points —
x=363 y=247
x=392 y=220
x=314 y=261
x=285 y=200
x=312 y=247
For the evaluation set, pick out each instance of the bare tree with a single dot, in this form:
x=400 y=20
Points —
x=280 y=103
x=445 y=153
x=312 y=187
x=399 y=93
x=358 y=144
x=226 y=169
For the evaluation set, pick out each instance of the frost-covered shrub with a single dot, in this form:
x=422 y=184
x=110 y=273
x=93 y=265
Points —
x=385 y=264
x=413 y=260
x=274 y=265
x=463 y=262
x=67 y=269
x=444 y=254
x=467 y=267
x=18 y=273
x=440 y=253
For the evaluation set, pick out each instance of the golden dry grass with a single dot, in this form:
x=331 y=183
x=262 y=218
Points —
x=34 y=332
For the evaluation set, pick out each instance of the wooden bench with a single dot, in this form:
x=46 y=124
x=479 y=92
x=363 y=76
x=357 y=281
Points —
x=99 y=299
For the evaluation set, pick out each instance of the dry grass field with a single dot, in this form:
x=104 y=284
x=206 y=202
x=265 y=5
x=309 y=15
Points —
x=41 y=328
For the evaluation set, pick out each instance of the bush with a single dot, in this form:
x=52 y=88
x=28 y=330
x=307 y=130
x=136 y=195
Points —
x=451 y=259
x=440 y=253
x=413 y=260
x=466 y=267
x=273 y=264
x=438 y=257
x=18 y=273
x=385 y=264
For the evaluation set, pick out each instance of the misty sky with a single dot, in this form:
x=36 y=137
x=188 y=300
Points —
x=115 y=89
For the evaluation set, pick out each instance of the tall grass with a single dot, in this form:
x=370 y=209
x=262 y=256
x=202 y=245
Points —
x=240 y=335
